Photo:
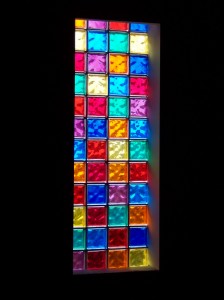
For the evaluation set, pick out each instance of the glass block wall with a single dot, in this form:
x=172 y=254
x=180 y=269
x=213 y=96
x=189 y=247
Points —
x=112 y=147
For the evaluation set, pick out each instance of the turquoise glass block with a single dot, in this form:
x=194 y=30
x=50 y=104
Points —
x=139 y=193
x=139 y=150
x=118 y=42
x=79 y=150
x=118 y=215
x=78 y=239
x=97 y=41
x=118 y=107
x=80 y=84
x=96 y=238
x=118 y=85
x=136 y=27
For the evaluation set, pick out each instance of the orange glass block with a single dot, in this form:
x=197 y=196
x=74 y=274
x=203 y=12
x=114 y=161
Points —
x=79 y=172
x=118 y=128
x=117 y=259
x=138 y=215
x=118 y=63
x=80 y=24
x=118 y=172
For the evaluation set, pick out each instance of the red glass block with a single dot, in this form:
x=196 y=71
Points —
x=140 y=86
x=97 y=216
x=96 y=260
x=119 y=26
x=138 y=172
x=79 y=108
x=96 y=172
x=79 y=194
x=97 y=106
x=118 y=237
x=79 y=62
x=96 y=149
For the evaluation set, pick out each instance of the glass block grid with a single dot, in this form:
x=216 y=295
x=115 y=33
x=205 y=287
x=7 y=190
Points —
x=112 y=152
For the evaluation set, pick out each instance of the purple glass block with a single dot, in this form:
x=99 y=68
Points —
x=78 y=260
x=118 y=194
x=97 y=25
x=97 y=63
x=79 y=128
x=138 y=108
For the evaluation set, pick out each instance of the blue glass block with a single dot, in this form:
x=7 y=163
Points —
x=139 y=27
x=138 y=237
x=96 y=194
x=97 y=41
x=79 y=150
x=139 y=129
x=96 y=238
x=78 y=239
x=139 y=65
x=118 y=85
x=139 y=194
x=97 y=128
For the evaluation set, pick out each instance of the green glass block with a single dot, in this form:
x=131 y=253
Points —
x=118 y=107
x=80 y=84
x=139 y=150
x=118 y=42
x=118 y=215
x=78 y=239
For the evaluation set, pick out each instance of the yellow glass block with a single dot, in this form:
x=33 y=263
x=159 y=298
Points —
x=139 y=43
x=138 y=215
x=118 y=172
x=80 y=40
x=79 y=172
x=118 y=150
x=118 y=128
x=79 y=216
x=80 y=23
x=139 y=258
x=117 y=259
x=118 y=63
x=97 y=85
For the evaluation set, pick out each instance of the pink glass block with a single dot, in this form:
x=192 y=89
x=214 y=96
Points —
x=79 y=62
x=78 y=260
x=118 y=194
x=97 y=25
x=97 y=63
x=139 y=86
x=97 y=106
x=139 y=107
x=79 y=127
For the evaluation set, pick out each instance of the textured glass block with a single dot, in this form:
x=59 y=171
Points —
x=96 y=260
x=79 y=172
x=97 y=63
x=80 y=40
x=97 y=128
x=139 y=128
x=139 y=65
x=123 y=26
x=118 y=172
x=80 y=23
x=97 y=85
x=118 y=107
x=138 y=257
x=118 y=150
x=96 y=149
x=96 y=216
x=78 y=260
x=139 y=43
x=139 y=150
x=118 y=194
x=97 y=41
x=136 y=27
x=118 y=63
x=79 y=194
x=139 y=86
x=96 y=238
x=79 y=106
x=138 y=171
x=138 y=215
x=118 y=237
x=118 y=42
x=118 y=128
x=97 y=25
x=79 y=216
x=96 y=194
x=79 y=62
x=97 y=106
x=138 y=237
x=79 y=128
x=118 y=215
x=96 y=172
x=78 y=239
x=117 y=259
x=80 y=84
x=139 y=194
x=79 y=150
x=118 y=85
x=138 y=107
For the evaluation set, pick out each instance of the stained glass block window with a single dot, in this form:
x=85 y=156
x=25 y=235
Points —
x=114 y=224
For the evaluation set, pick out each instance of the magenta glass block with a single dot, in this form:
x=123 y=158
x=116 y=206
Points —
x=97 y=106
x=79 y=62
x=97 y=63
x=97 y=24
x=78 y=260
x=79 y=128
x=139 y=86
x=118 y=194
x=138 y=107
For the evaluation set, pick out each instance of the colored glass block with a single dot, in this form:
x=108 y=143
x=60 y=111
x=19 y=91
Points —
x=96 y=149
x=118 y=172
x=78 y=239
x=139 y=194
x=138 y=215
x=97 y=106
x=80 y=84
x=79 y=216
x=118 y=107
x=79 y=172
x=96 y=194
x=118 y=128
x=139 y=150
x=118 y=194
x=118 y=215
x=123 y=26
x=97 y=63
x=118 y=150
x=118 y=85
x=79 y=194
x=97 y=25
x=139 y=128
x=118 y=237
x=139 y=43
x=79 y=150
x=79 y=127
x=117 y=259
x=139 y=65
x=96 y=216
x=97 y=41
x=96 y=260
x=97 y=85
x=79 y=62
x=118 y=63
x=139 y=86
x=96 y=238
x=78 y=260
x=79 y=106
x=80 y=23
x=118 y=42
x=138 y=171
x=80 y=40
x=96 y=172
x=97 y=128
x=139 y=257
x=139 y=27
x=138 y=237
x=138 y=107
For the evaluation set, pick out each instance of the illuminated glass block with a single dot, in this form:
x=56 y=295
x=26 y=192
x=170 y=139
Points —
x=80 y=40
x=80 y=23
x=80 y=84
x=97 y=106
x=118 y=172
x=139 y=86
x=118 y=215
x=96 y=238
x=139 y=193
x=97 y=41
x=97 y=85
x=139 y=128
x=97 y=25
x=79 y=150
x=79 y=216
x=138 y=215
x=138 y=107
x=79 y=128
x=118 y=150
x=96 y=172
x=118 y=42
x=117 y=259
x=97 y=63
x=123 y=26
x=79 y=194
x=118 y=237
x=138 y=257
x=96 y=194
x=136 y=27
x=79 y=239
x=139 y=65
x=96 y=260
x=138 y=237
x=118 y=107
x=139 y=150
x=118 y=194
x=79 y=62
x=97 y=128
x=79 y=106
x=118 y=128
x=138 y=171
x=96 y=216
x=96 y=149
x=118 y=85
x=79 y=172
x=78 y=260
x=118 y=63
x=139 y=43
